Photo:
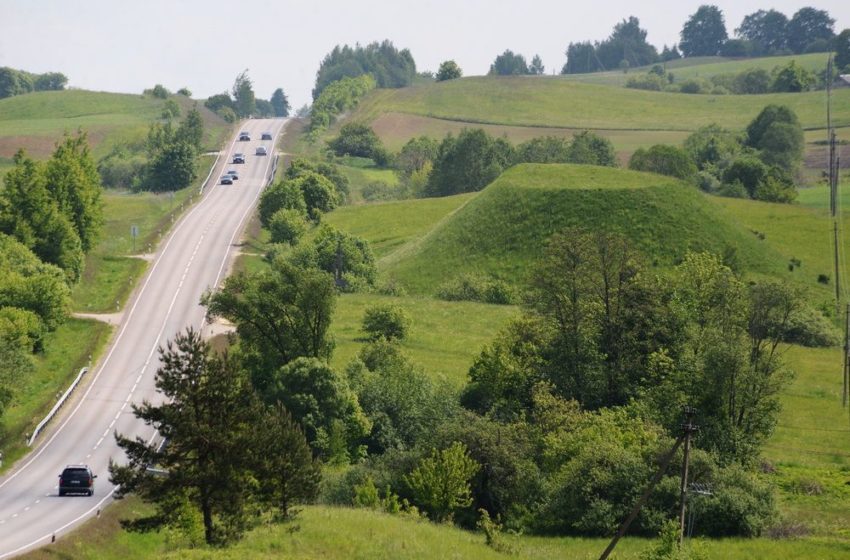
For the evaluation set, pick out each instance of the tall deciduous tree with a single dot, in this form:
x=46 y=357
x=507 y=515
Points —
x=74 y=183
x=449 y=70
x=842 y=51
x=704 y=32
x=440 y=483
x=243 y=94
x=280 y=314
x=208 y=421
x=280 y=103
x=508 y=64
x=807 y=26
x=191 y=129
x=767 y=30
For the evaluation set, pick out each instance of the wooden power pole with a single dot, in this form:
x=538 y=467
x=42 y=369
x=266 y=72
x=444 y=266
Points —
x=688 y=428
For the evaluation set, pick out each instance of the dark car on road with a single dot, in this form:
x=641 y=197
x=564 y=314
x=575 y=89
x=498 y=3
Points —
x=233 y=173
x=238 y=158
x=226 y=179
x=76 y=479
x=266 y=136
x=244 y=137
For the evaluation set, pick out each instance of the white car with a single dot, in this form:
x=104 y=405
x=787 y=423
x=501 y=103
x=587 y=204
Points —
x=261 y=151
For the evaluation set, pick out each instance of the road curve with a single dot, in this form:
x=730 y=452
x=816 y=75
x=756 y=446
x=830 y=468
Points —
x=190 y=260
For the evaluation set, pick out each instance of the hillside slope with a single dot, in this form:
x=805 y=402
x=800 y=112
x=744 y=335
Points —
x=504 y=229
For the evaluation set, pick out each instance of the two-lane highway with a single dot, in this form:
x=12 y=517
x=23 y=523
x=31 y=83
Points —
x=192 y=259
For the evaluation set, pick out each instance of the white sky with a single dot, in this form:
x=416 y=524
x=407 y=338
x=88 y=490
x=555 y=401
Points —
x=130 y=45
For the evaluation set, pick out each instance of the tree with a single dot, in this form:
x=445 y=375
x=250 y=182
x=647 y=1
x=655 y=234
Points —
x=508 y=64
x=159 y=91
x=299 y=166
x=670 y=54
x=29 y=213
x=15 y=366
x=791 y=78
x=358 y=139
x=191 y=130
x=704 y=32
x=74 y=183
x=264 y=108
x=711 y=145
x=243 y=95
x=283 y=195
x=206 y=418
x=765 y=29
x=287 y=472
x=536 y=66
x=440 y=484
x=468 y=163
x=287 y=226
x=626 y=47
x=389 y=67
x=322 y=402
x=415 y=154
x=386 y=321
x=280 y=314
x=280 y=103
x=348 y=257
x=591 y=149
x=581 y=58
x=50 y=81
x=219 y=101
x=749 y=171
x=665 y=160
x=449 y=70
x=842 y=51
x=544 y=149
x=807 y=26
x=777 y=134
x=320 y=194
x=173 y=167
x=751 y=81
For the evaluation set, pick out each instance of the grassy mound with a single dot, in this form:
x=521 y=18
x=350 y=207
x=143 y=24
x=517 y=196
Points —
x=504 y=229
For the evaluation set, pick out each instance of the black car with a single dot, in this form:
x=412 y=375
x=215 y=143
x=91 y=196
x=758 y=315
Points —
x=266 y=136
x=226 y=179
x=76 y=479
x=238 y=158
x=233 y=173
x=244 y=137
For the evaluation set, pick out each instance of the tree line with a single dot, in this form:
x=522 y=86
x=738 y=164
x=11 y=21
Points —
x=17 y=82
x=51 y=215
x=389 y=66
x=241 y=102
x=704 y=34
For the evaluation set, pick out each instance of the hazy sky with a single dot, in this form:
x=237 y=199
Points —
x=127 y=46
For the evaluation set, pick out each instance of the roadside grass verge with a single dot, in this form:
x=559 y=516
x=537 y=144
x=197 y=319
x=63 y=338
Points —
x=562 y=103
x=66 y=350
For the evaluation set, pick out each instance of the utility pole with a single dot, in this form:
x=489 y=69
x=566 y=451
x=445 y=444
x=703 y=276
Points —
x=688 y=428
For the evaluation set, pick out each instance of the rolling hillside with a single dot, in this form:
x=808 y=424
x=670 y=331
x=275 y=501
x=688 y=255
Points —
x=504 y=229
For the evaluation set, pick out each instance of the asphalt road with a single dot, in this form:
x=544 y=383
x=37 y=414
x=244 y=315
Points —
x=192 y=259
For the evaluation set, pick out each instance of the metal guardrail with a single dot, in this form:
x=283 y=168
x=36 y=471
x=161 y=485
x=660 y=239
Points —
x=56 y=407
x=213 y=168
x=270 y=178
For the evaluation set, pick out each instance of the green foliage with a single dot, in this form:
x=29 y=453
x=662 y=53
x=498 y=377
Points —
x=765 y=30
x=282 y=195
x=219 y=101
x=17 y=82
x=842 y=50
x=184 y=91
x=791 y=78
x=191 y=130
x=319 y=193
x=627 y=42
x=244 y=101
x=807 y=26
x=742 y=504
x=208 y=420
x=440 y=484
x=348 y=257
x=389 y=67
x=648 y=81
x=704 y=32
x=468 y=163
x=415 y=155
x=586 y=147
x=280 y=103
x=668 y=547
x=449 y=70
x=749 y=171
x=664 y=160
x=509 y=64
x=403 y=405
x=358 y=139
x=694 y=86
x=591 y=149
x=170 y=109
x=338 y=96
x=536 y=67
x=159 y=91
x=74 y=183
x=287 y=226
x=15 y=363
x=386 y=321
x=322 y=402
x=299 y=166
x=30 y=213
x=280 y=314
x=712 y=145
x=752 y=81
x=172 y=167
x=477 y=287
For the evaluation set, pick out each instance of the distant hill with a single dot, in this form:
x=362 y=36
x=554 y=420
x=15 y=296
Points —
x=505 y=227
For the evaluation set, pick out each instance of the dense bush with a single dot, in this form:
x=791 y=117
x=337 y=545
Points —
x=476 y=287
x=17 y=82
x=665 y=160
x=337 y=97
x=287 y=226
x=359 y=140
x=468 y=162
x=386 y=321
x=648 y=81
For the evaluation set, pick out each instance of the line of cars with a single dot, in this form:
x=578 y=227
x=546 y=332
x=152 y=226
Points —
x=239 y=157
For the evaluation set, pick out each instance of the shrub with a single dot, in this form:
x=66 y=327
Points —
x=388 y=321
x=665 y=160
x=475 y=287
x=810 y=328
x=287 y=226
x=649 y=81
x=694 y=86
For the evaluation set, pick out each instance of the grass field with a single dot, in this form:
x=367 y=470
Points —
x=706 y=67
x=355 y=534
x=544 y=101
